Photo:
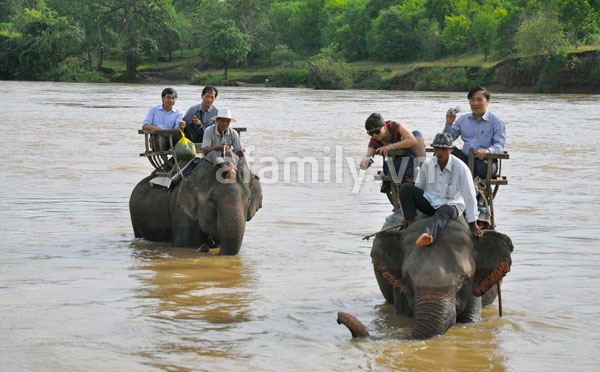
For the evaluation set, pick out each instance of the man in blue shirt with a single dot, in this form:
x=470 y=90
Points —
x=480 y=129
x=165 y=115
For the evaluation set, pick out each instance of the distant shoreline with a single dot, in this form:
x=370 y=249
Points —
x=564 y=72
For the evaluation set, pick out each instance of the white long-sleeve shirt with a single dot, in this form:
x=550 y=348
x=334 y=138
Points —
x=452 y=186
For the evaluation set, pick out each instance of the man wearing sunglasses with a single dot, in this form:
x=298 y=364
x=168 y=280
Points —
x=391 y=135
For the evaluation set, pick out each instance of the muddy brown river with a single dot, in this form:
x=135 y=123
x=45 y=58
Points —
x=78 y=292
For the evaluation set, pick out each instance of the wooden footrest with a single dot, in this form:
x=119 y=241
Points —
x=152 y=153
x=499 y=181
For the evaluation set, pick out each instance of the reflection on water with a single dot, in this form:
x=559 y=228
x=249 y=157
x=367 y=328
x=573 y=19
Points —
x=78 y=292
x=197 y=299
x=197 y=286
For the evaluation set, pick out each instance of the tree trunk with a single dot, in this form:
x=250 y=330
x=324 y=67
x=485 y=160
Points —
x=87 y=47
x=225 y=73
x=101 y=45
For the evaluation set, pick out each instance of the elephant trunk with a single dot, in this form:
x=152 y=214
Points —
x=357 y=329
x=435 y=312
x=231 y=224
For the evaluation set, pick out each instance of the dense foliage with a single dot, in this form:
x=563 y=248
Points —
x=46 y=39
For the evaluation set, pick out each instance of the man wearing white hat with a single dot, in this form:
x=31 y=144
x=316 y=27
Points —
x=220 y=142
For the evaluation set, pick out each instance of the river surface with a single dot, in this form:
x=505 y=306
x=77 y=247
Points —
x=78 y=292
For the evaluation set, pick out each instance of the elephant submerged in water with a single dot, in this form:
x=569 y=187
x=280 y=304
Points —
x=438 y=285
x=198 y=210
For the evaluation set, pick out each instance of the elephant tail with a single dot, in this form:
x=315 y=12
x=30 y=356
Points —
x=357 y=329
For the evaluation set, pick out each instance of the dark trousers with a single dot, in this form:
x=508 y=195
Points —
x=480 y=165
x=411 y=199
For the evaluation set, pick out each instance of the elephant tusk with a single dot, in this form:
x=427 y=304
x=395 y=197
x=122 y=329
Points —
x=357 y=329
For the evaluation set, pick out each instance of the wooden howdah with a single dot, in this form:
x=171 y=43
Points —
x=159 y=148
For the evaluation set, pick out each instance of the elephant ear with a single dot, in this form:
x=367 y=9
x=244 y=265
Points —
x=387 y=256
x=254 y=202
x=492 y=258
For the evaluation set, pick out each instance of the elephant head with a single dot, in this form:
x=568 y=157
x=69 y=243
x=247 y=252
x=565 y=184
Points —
x=439 y=284
x=219 y=209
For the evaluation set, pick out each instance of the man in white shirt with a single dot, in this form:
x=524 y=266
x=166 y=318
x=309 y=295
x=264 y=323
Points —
x=443 y=189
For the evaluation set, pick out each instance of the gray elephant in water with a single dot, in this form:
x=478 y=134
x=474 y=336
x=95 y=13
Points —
x=440 y=284
x=198 y=210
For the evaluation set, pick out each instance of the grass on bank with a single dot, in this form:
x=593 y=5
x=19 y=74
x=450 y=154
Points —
x=187 y=66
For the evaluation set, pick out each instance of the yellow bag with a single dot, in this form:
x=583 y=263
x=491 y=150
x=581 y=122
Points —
x=184 y=148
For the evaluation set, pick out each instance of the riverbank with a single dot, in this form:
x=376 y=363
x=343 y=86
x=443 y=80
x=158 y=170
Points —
x=564 y=72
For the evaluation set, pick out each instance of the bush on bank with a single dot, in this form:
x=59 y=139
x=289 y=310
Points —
x=327 y=73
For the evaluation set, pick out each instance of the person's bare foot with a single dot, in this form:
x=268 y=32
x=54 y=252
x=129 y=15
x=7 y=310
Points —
x=424 y=239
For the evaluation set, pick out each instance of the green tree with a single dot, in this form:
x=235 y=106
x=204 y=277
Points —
x=226 y=44
x=251 y=18
x=327 y=71
x=428 y=35
x=504 y=42
x=540 y=35
x=283 y=54
x=95 y=21
x=439 y=10
x=347 y=29
x=137 y=18
x=485 y=25
x=9 y=9
x=392 y=36
x=280 y=16
x=373 y=8
x=10 y=47
x=455 y=36
x=578 y=18
x=46 y=41
x=307 y=24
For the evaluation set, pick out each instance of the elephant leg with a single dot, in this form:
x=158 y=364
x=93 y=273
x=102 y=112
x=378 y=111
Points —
x=489 y=296
x=187 y=233
x=472 y=312
x=401 y=303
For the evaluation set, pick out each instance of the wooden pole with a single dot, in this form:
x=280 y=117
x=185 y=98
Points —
x=382 y=231
x=499 y=300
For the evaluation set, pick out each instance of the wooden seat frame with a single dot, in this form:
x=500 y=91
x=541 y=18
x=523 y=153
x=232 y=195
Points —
x=492 y=182
x=160 y=158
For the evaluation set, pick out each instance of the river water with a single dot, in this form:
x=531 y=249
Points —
x=78 y=292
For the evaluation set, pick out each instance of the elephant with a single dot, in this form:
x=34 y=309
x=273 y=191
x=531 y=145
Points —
x=198 y=211
x=441 y=284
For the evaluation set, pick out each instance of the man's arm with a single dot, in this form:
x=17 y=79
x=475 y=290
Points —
x=421 y=178
x=499 y=137
x=147 y=123
x=452 y=127
x=467 y=190
x=365 y=163
x=219 y=148
x=189 y=114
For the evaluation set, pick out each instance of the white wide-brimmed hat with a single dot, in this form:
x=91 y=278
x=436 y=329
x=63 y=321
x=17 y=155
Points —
x=225 y=114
